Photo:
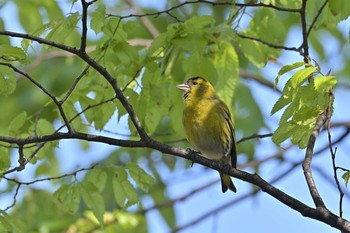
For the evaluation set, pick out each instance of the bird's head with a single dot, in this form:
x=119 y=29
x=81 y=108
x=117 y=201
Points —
x=197 y=87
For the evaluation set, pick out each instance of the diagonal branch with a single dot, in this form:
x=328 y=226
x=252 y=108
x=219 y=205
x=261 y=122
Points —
x=316 y=17
x=307 y=162
x=52 y=97
x=99 y=68
x=322 y=214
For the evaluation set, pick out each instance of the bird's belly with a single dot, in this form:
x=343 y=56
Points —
x=209 y=145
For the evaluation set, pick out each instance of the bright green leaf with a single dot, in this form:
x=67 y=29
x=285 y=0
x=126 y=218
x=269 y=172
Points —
x=44 y=127
x=346 y=177
x=11 y=53
x=324 y=83
x=124 y=193
x=253 y=52
x=17 y=123
x=286 y=69
x=93 y=200
x=98 y=19
x=68 y=196
x=142 y=179
x=9 y=224
x=5 y=161
x=7 y=81
x=97 y=177
x=226 y=65
x=301 y=75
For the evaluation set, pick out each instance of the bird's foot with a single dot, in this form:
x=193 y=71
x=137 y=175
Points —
x=190 y=151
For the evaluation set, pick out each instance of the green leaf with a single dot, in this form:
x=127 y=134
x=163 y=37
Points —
x=286 y=69
x=142 y=179
x=5 y=161
x=130 y=223
x=17 y=123
x=301 y=75
x=304 y=104
x=280 y=103
x=253 y=52
x=324 y=83
x=124 y=193
x=7 y=81
x=93 y=200
x=282 y=133
x=98 y=19
x=68 y=196
x=199 y=22
x=9 y=224
x=226 y=65
x=158 y=44
x=11 y=53
x=159 y=194
x=62 y=29
x=44 y=127
x=346 y=177
x=97 y=177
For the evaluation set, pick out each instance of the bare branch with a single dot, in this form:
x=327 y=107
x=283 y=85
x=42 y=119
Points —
x=316 y=17
x=333 y=152
x=168 y=11
x=270 y=44
x=307 y=162
x=255 y=136
x=20 y=183
x=109 y=78
x=52 y=97
x=305 y=45
x=71 y=89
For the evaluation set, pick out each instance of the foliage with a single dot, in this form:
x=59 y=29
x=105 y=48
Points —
x=114 y=80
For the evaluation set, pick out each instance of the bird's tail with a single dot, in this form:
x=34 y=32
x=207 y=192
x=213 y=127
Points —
x=226 y=183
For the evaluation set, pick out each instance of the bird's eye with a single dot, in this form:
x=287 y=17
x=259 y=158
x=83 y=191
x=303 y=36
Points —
x=194 y=83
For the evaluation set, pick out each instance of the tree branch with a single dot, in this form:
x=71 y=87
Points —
x=100 y=69
x=168 y=11
x=52 y=97
x=316 y=17
x=307 y=162
x=270 y=44
x=305 y=44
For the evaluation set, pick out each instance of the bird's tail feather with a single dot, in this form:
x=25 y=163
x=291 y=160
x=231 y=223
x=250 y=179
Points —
x=226 y=183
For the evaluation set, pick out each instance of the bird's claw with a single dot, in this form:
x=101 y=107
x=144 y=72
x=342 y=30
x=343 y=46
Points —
x=190 y=151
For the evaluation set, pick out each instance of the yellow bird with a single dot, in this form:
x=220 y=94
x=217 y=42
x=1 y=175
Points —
x=208 y=125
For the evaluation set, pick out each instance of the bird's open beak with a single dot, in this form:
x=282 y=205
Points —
x=184 y=87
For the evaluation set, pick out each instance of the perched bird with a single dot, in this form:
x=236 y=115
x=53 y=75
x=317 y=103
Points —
x=208 y=125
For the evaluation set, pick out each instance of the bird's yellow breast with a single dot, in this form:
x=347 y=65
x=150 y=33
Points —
x=206 y=127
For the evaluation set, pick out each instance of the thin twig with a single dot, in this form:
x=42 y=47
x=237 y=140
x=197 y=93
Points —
x=167 y=11
x=333 y=152
x=71 y=89
x=316 y=17
x=52 y=97
x=270 y=44
x=20 y=183
x=254 y=136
